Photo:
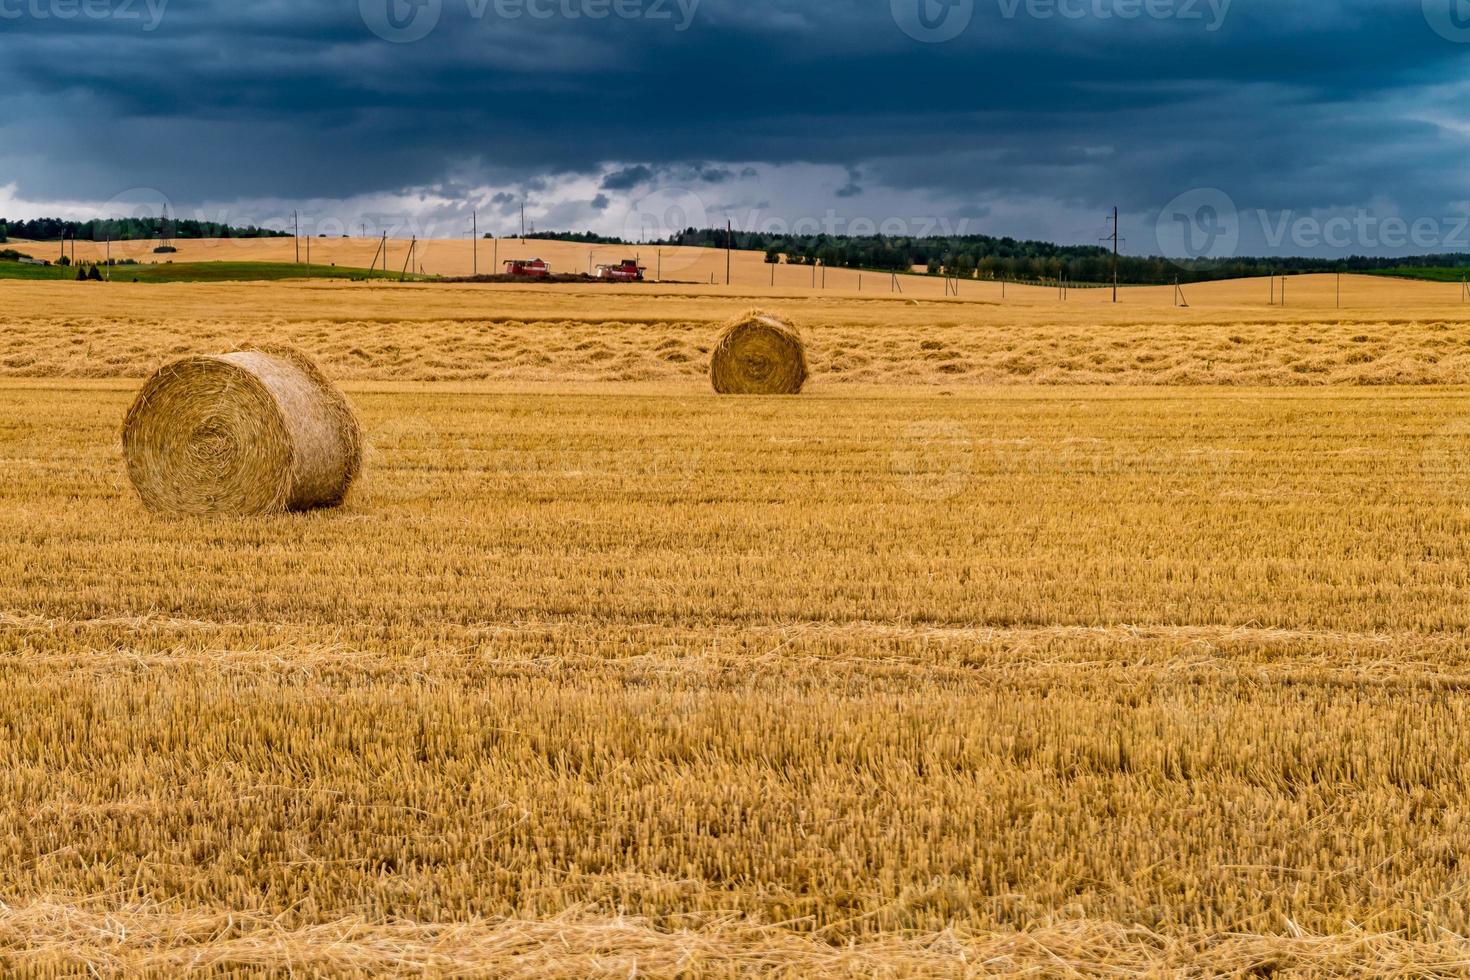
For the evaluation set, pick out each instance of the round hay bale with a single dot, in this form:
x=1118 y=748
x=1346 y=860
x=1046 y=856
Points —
x=256 y=431
x=758 y=354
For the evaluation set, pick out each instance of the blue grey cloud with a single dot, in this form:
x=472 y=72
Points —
x=627 y=179
x=1067 y=105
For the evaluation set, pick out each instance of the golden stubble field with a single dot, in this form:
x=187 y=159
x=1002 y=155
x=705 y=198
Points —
x=459 y=257
x=1387 y=332
x=604 y=678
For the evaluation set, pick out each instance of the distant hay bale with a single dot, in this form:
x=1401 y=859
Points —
x=758 y=354
x=256 y=431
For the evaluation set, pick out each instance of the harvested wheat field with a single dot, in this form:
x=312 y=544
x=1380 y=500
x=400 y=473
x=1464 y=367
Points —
x=451 y=257
x=1059 y=662
x=1388 y=332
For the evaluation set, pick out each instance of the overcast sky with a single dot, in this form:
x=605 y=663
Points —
x=1317 y=127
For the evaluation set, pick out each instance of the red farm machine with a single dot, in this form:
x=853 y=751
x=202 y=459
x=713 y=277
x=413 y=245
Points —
x=627 y=270
x=527 y=268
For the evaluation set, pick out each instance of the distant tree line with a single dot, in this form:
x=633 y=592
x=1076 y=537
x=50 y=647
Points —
x=966 y=256
x=128 y=229
x=987 y=257
x=584 y=237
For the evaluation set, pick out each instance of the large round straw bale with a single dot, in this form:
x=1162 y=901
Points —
x=256 y=431
x=758 y=354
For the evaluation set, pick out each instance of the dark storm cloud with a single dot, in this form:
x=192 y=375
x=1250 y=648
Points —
x=626 y=180
x=1082 y=103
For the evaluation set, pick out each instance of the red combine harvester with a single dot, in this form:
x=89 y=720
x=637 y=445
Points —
x=627 y=270
x=527 y=269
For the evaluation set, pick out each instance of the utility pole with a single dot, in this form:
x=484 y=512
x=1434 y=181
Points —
x=523 y=222
x=109 y=258
x=296 y=233
x=408 y=260
x=729 y=244
x=1115 y=254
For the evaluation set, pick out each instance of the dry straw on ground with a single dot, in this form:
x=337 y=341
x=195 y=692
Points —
x=256 y=431
x=1029 y=680
x=1387 y=333
x=758 y=354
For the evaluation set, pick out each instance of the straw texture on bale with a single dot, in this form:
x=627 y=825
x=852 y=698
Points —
x=758 y=353
x=256 y=431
